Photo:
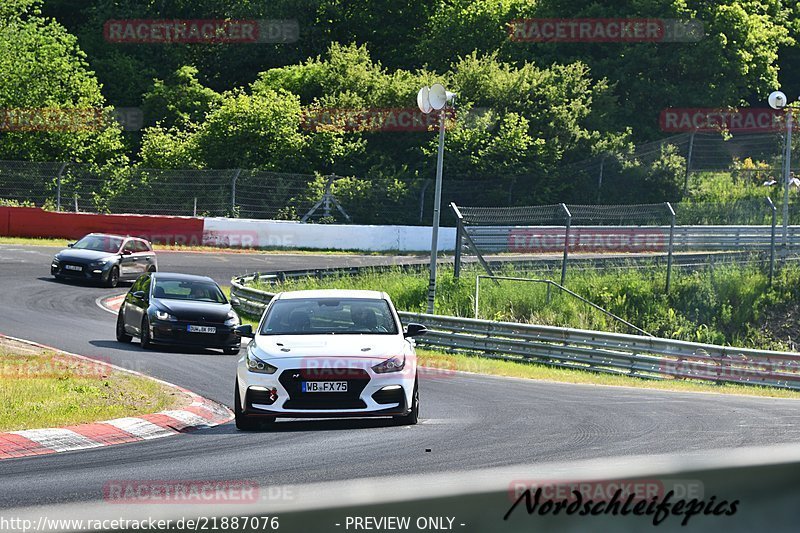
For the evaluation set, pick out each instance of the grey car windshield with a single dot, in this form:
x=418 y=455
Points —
x=203 y=291
x=99 y=243
x=329 y=316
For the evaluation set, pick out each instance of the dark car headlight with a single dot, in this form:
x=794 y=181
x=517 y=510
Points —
x=163 y=315
x=254 y=364
x=393 y=364
x=232 y=319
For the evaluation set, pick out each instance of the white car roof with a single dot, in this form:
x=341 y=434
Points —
x=333 y=293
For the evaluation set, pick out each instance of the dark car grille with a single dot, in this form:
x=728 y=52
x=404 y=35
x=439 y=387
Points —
x=68 y=272
x=357 y=380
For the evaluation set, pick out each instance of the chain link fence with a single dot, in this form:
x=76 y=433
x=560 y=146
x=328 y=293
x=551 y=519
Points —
x=408 y=200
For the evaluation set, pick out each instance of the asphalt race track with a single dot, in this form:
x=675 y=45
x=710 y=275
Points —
x=469 y=422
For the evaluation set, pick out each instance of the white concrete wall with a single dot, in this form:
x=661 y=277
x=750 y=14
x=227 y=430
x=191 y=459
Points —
x=259 y=233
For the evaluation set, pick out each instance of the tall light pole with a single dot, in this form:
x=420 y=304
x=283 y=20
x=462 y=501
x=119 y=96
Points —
x=777 y=100
x=430 y=99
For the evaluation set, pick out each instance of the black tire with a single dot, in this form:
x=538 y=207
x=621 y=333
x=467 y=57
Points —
x=113 y=277
x=413 y=415
x=231 y=351
x=243 y=421
x=151 y=269
x=144 y=335
x=122 y=335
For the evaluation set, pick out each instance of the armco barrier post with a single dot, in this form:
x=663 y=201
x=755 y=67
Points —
x=457 y=257
x=568 y=223
x=772 y=239
x=671 y=243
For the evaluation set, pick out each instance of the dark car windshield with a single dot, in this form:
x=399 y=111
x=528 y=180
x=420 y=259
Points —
x=99 y=243
x=329 y=316
x=196 y=290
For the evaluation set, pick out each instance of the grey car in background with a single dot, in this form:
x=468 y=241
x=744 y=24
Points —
x=105 y=258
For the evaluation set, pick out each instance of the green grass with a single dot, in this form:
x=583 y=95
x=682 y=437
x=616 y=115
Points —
x=42 y=389
x=500 y=367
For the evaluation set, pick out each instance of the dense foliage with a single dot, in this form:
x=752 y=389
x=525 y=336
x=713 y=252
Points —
x=525 y=111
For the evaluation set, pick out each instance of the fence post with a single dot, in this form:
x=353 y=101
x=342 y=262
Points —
x=600 y=179
x=688 y=164
x=233 y=191
x=422 y=192
x=194 y=209
x=58 y=186
x=671 y=243
x=568 y=216
x=772 y=239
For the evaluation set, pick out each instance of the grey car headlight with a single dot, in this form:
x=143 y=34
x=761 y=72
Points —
x=101 y=263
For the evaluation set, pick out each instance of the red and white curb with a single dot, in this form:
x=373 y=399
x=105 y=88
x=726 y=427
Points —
x=111 y=303
x=197 y=413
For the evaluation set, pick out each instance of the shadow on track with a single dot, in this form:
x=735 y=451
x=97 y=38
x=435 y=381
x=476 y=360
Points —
x=136 y=347
x=293 y=425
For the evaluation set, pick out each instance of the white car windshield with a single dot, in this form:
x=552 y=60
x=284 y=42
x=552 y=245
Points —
x=329 y=316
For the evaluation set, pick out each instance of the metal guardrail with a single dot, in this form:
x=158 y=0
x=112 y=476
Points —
x=538 y=239
x=597 y=351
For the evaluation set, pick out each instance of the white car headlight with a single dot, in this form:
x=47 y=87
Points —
x=393 y=364
x=254 y=364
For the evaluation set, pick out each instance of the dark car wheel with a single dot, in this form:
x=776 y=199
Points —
x=113 y=277
x=243 y=421
x=122 y=335
x=144 y=335
x=413 y=416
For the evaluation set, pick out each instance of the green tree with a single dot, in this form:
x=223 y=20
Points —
x=44 y=69
x=180 y=100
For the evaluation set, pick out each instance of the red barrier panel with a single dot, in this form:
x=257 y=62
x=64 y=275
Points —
x=4 y=216
x=34 y=222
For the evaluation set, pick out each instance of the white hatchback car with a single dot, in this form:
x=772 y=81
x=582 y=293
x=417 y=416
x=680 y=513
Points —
x=328 y=354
